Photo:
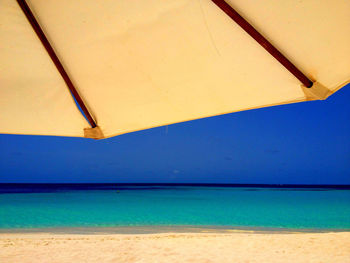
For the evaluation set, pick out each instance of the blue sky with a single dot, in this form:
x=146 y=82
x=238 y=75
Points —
x=302 y=143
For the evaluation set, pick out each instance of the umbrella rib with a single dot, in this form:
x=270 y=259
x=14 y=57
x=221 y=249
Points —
x=233 y=14
x=39 y=32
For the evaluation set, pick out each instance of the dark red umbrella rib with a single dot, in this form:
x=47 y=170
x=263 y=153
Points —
x=263 y=42
x=35 y=25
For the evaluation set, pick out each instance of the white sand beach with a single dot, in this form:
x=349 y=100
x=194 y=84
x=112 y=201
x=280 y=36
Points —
x=176 y=247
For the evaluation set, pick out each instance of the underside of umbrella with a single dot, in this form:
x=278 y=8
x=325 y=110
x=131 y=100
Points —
x=137 y=64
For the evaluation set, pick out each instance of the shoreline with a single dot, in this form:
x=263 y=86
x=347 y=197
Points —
x=164 y=229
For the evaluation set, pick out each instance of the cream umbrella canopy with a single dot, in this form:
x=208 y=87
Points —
x=137 y=64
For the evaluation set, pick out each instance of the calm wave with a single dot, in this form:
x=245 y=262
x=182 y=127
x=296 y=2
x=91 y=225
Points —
x=34 y=206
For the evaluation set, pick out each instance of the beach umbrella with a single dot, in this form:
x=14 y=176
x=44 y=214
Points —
x=136 y=64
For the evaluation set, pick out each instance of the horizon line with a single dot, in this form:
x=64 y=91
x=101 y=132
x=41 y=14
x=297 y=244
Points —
x=343 y=186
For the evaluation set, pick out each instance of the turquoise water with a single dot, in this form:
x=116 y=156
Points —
x=209 y=206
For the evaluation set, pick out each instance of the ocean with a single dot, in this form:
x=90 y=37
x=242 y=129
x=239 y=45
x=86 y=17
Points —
x=113 y=205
